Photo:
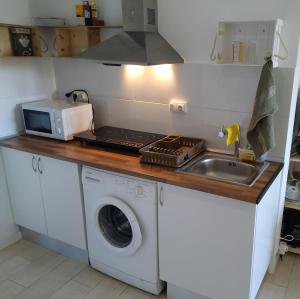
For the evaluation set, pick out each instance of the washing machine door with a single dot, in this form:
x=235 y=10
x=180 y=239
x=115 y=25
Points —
x=118 y=226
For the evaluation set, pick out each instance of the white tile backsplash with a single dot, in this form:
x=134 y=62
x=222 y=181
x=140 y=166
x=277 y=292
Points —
x=216 y=96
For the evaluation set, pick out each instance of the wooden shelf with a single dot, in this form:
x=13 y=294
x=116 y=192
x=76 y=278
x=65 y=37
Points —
x=78 y=27
x=62 y=27
x=295 y=158
x=290 y=205
x=294 y=250
x=59 y=41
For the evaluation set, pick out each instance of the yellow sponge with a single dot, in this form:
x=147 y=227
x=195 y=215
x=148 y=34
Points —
x=233 y=133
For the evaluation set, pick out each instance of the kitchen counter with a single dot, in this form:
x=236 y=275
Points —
x=129 y=164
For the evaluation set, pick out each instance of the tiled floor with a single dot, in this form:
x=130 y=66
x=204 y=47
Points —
x=28 y=271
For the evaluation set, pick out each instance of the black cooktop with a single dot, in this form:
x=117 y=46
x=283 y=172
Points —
x=118 y=138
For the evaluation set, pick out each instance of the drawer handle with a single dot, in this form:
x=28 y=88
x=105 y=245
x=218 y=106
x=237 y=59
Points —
x=32 y=163
x=39 y=166
x=88 y=178
x=161 y=196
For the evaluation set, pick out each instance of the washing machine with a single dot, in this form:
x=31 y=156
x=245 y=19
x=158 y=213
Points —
x=121 y=221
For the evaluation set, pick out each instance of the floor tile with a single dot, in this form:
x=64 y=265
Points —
x=163 y=295
x=293 y=289
x=30 y=273
x=133 y=293
x=283 y=271
x=271 y=291
x=89 y=277
x=33 y=252
x=53 y=281
x=11 y=266
x=9 y=289
x=13 y=250
x=71 y=290
x=109 y=288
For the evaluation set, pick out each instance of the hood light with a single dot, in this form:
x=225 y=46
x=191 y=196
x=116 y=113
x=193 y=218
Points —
x=164 y=71
x=134 y=71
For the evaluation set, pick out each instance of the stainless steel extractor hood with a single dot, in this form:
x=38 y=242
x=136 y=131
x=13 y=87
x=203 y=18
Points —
x=139 y=43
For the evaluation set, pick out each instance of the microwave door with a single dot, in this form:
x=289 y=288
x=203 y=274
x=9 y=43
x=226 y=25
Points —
x=37 y=121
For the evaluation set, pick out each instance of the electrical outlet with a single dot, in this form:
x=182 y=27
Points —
x=177 y=106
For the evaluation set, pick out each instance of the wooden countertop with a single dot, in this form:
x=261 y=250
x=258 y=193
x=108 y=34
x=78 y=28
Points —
x=129 y=164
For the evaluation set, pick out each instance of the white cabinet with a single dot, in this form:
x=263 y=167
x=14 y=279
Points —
x=46 y=196
x=24 y=189
x=62 y=196
x=214 y=246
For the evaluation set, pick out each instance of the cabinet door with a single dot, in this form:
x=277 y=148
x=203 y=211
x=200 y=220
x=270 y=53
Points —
x=24 y=189
x=205 y=242
x=62 y=196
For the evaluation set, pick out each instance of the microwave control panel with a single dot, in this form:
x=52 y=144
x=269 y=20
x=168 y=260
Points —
x=58 y=124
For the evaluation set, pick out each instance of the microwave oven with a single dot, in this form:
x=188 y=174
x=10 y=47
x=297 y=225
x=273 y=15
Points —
x=58 y=119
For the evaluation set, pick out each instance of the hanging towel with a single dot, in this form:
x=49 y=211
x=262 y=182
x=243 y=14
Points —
x=261 y=134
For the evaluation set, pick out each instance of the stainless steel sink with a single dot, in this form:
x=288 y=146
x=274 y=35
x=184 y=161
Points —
x=225 y=168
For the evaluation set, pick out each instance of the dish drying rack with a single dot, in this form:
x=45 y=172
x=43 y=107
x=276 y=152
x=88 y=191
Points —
x=172 y=151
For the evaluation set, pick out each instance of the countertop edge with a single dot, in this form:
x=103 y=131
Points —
x=7 y=143
x=268 y=185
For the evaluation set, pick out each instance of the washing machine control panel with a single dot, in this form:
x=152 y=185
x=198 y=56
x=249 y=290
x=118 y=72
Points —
x=132 y=188
x=138 y=190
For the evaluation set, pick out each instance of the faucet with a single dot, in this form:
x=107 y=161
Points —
x=223 y=132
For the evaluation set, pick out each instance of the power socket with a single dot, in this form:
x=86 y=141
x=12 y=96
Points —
x=177 y=106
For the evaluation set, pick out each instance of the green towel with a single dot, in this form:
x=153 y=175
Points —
x=261 y=134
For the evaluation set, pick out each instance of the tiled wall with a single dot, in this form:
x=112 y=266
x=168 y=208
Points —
x=216 y=95
x=22 y=80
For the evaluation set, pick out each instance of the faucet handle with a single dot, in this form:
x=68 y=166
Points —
x=222 y=132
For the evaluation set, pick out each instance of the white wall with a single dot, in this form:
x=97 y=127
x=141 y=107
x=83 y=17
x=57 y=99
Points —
x=15 y=12
x=22 y=80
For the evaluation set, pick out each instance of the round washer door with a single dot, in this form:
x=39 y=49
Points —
x=118 y=226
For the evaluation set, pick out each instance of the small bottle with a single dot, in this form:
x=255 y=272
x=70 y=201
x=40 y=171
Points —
x=236 y=52
x=242 y=53
x=87 y=13
x=252 y=52
x=94 y=9
x=79 y=11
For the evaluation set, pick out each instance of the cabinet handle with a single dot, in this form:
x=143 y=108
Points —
x=88 y=178
x=32 y=163
x=39 y=168
x=161 y=196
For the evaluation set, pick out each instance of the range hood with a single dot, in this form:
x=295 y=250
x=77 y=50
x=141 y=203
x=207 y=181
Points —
x=139 y=43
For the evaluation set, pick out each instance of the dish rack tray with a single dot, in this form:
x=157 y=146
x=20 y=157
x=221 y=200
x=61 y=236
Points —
x=172 y=151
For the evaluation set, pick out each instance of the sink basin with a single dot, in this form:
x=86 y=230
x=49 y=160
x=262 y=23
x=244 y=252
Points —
x=226 y=168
